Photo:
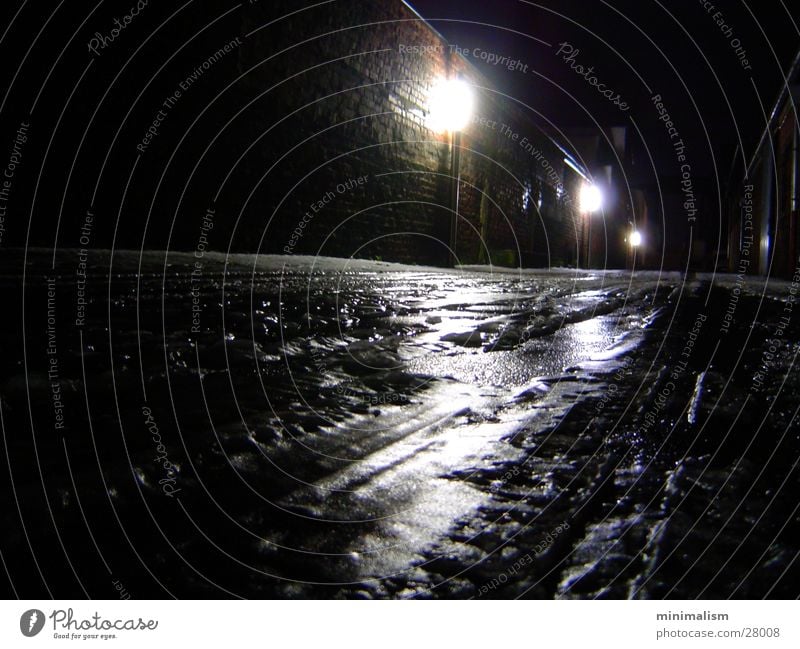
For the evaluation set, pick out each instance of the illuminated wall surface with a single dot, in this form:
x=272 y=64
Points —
x=352 y=101
x=262 y=118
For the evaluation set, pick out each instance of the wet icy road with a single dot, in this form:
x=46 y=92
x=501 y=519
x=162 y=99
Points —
x=325 y=428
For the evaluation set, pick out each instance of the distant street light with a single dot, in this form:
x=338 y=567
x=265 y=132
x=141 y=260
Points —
x=449 y=111
x=590 y=200
x=634 y=239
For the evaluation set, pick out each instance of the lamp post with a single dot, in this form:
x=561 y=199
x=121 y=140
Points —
x=450 y=110
x=591 y=200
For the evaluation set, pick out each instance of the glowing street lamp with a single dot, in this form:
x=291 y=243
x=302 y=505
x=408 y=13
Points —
x=449 y=111
x=590 y=200
x=449 y=106
x=634 y=239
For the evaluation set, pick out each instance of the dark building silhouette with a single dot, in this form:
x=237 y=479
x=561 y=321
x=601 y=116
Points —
x=224 y=130
x=763 y=205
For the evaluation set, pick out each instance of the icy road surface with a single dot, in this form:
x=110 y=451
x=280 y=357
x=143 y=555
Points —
x=297 y=427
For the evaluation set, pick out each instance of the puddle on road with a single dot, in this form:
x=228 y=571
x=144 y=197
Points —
x=546 y=356
x=386 y=509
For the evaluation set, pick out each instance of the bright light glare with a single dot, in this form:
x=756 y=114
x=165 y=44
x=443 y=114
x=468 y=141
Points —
x=636 y=238
x=449 y=106
x=591 y=198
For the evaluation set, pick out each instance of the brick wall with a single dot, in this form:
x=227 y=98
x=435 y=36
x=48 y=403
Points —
x=334 y=94
x=260 y=110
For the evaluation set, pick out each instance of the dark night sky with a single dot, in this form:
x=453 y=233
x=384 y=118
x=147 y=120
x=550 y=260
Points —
x=676 y=48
